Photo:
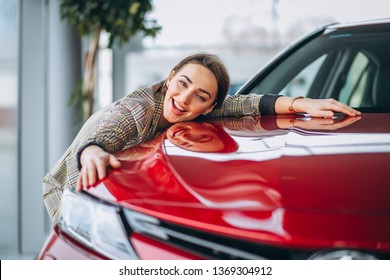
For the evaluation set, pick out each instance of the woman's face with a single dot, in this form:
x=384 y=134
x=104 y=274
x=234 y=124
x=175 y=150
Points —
x=191 y=91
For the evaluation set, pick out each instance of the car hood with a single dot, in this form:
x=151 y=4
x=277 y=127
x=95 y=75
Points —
x=293 y=187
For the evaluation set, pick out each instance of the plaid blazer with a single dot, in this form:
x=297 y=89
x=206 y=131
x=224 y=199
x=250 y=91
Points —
x=125 y=123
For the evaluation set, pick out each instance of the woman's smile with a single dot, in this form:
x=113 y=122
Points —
x=177 y=107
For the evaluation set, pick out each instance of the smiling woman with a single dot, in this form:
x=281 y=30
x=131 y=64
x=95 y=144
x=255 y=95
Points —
x=196 y=86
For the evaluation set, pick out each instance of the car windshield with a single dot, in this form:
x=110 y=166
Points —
x=351 y=65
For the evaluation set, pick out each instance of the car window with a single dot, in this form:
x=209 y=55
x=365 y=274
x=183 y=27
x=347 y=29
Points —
x=301 y=83
x=348 y=65
x=357 y=81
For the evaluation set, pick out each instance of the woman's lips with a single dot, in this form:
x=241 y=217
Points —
x=177 y=109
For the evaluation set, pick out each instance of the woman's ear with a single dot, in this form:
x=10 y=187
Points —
x=170 y=77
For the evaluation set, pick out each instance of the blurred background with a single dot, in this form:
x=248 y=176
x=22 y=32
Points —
x=42 y=59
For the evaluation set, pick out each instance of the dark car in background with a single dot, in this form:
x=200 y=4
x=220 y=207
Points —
x=269 y=187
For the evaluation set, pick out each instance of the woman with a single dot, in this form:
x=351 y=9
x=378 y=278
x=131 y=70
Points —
x=196 y=86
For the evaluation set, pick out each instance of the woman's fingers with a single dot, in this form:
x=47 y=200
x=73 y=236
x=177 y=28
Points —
x=79 y=185
x=94 y=166
x=101 y=167
x=114 y=162
x=326 y=107
x=84 y=176
x=338 y=106
x=91 y=171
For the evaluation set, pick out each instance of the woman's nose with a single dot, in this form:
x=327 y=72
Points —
x=186 y=97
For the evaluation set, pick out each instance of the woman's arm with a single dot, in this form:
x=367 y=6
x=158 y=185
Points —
x=237 y=106
x=104 y=134
x=268 y=104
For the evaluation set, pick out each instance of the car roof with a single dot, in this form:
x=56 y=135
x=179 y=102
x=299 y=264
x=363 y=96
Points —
x=337 y=25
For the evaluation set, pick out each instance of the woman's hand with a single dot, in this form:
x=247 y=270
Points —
x=94 y=161
x=323 y=107
x=314 y=107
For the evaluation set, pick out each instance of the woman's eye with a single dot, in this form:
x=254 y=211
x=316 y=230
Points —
x=201 y=98
x=182 y=83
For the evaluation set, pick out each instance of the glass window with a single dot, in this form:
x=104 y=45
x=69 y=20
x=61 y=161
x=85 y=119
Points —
x=356 y=82
x=350 y=66
x=8 y=129
x=301 y=83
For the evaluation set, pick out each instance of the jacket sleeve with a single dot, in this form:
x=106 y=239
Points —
x=243 y=105
x=113 y=128
x=238 y=105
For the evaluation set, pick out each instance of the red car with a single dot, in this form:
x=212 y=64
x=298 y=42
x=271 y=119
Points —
x=270 y=187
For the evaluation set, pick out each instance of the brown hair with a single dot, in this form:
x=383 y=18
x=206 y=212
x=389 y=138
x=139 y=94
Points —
x=216 y=66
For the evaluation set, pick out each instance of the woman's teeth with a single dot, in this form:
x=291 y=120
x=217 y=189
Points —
x=178 y=106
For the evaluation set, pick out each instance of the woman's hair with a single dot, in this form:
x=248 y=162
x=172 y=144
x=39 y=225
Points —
x=216 y=66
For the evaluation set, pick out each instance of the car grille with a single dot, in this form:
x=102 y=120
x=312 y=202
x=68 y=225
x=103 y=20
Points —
x=206 y=244
x=222 y=247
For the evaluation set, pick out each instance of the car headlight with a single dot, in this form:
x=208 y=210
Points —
x=342 y=255
x=95 y=224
